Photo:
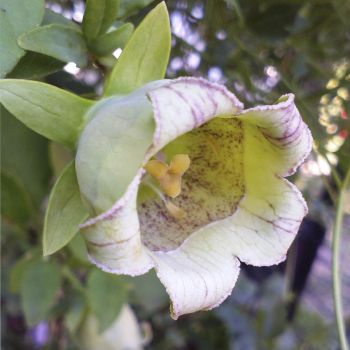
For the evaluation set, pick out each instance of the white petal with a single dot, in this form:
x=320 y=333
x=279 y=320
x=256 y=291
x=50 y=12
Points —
x=198 y=276
x=187 y=103
x=113 y=238
x=290 y=140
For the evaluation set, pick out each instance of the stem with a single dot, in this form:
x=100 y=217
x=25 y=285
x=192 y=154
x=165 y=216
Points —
x=336 y=264
x=73 y=280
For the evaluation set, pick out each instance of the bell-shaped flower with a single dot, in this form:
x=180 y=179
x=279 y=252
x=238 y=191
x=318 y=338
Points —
x=180 y=178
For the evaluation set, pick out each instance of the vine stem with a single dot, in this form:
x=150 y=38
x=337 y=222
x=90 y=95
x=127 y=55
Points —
x=336 y=264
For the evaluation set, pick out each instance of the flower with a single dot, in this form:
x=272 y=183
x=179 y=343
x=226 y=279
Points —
x=181 y=179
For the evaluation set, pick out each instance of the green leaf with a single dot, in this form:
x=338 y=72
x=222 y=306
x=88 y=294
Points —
x=60 y=157
x=107 y=43
x=75 y=313
x=26 y=157
x=10 y=52
x=34 y=65
x=106 y=295
x=65 y=212
x=78 y=249
x=51 y=112
x=53 y=17
x=145 y=56
x=58 y=41
x=130 y=7
x=23 y=15
x=18 y=269
x=98 y=17
x=40 y=283
x=110 y=15
x=16 y=17
x=16 y=204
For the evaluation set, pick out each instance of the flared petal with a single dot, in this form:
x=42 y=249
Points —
x=113 y=238
x=115 y=145
x=197 y=276
x=276 y=142
x=200 y=273
x=289 y=138
x=187 y=103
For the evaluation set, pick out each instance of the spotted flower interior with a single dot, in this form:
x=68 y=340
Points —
x=180 y=178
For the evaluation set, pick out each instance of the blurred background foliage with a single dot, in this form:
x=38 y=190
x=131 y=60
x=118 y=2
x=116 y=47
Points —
x=259 y=50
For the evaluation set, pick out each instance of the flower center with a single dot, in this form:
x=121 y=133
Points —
x=169 y=178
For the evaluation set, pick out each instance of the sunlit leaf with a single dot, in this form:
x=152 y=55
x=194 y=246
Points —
x=145 y=56
x=51 y=112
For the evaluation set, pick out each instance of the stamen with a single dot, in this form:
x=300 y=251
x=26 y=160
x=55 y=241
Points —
x=169 y=176
x=171 y=185
x=157 y=169
x=175 y=211
x=179 y=164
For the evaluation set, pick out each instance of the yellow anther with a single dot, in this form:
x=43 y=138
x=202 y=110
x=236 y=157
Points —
x=175 y=211
x=171 y=185
x=179 y=164
x=169 y=177
x=157 y=169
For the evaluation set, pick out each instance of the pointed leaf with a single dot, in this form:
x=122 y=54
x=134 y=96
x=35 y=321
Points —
x=51 y=112
x=93 y=16
x=58 y=41
x=110 y=15
x=98 y=17
x=40 y=283
x=145 y=56
x=65 y=212
x=106 y=294
x=107 y=43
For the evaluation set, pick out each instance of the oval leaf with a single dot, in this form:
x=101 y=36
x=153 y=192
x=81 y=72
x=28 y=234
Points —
x=16 y=17
x=10 y=52
x=58 y=41
x=50 y=111
x=106 y=295
x=34 y=65
x=65 y=212
x=145 y=56
x=39 y=285
x=23 y=15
